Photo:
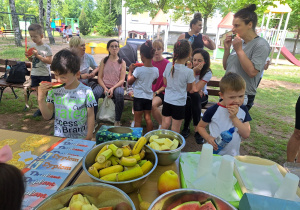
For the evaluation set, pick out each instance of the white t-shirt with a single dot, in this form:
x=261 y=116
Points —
x=143 y=83
x=69 y=31
x=218 y=118
x=71 y=110
x=40 y=68
x=175 y=92
x=206 y=78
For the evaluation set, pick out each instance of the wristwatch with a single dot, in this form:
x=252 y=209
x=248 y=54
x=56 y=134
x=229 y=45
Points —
x=156 y=93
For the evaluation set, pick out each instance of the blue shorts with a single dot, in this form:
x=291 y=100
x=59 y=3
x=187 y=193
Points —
x=35 y=80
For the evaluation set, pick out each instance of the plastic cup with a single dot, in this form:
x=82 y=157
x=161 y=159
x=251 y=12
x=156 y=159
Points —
x=206 y=160
x=288 y=187
x=224 y=178
x=225 y=172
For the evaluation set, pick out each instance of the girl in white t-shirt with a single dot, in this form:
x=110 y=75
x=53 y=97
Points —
x=198 y=96
x=143 y=78
x=179 y=79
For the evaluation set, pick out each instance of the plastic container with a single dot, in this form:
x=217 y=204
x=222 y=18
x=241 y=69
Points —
x=223 y=139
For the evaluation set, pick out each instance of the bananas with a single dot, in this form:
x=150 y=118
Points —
x=139 y=145
x=116 y=164
x=162 y=144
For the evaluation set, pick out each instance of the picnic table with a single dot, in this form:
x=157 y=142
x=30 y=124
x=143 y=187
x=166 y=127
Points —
x=16 y=140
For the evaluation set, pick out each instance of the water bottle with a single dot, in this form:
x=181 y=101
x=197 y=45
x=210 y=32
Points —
x=223 y=139
x=6 y=72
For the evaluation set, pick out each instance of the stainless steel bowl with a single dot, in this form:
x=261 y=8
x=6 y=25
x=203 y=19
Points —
x=126 y=186
x=99 y=194
x=174 y=198
x=167 y=157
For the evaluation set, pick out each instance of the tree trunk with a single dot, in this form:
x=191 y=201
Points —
x=41 y=17
x=296 y=41
x=205 y=25
x=48 y=24
x=15 y=23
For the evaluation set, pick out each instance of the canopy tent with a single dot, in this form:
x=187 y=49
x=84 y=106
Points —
x=225 y=23
x=275 y=36
x=160 y=19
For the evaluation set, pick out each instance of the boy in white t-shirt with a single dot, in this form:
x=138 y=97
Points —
x=143 y=78
x=73 y=104
x=228 y=113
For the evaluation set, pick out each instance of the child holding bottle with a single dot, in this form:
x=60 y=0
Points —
x=178 y=80
x=228 y=113
x=143 y=78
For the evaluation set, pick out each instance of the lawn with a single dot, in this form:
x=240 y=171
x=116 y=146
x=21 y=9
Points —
x=273 y=114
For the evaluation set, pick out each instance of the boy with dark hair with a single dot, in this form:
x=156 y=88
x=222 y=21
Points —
x=228 y=113
x=73 y=104
x=41 y=59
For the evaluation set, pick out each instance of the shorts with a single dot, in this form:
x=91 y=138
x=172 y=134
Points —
x=141 y=104
x=176 y=112
x=70 y=35
x=35 y=80
x=162 y=96
x=297 y=123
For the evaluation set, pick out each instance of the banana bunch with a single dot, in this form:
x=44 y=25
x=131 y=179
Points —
x=162 y=144
x=121 y=164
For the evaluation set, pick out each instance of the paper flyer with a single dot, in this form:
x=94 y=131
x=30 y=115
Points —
x=33 y=196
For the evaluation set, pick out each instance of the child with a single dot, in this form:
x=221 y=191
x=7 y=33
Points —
x=178 y=80
x=12 y=185
x=77 y=31
x=159 y=88
x=143 y=78
x=228 y=113
x=73 y=104
x=198 y=96
x=41 y=59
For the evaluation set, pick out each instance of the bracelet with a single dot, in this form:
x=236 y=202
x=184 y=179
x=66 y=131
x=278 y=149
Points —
x=156 y=93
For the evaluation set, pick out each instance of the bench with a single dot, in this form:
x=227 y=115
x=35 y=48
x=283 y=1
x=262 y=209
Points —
x=4 y=84
x=7 y=32
x=64 y=39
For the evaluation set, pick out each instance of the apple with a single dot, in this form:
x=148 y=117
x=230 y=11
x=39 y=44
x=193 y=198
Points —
x=169 y=180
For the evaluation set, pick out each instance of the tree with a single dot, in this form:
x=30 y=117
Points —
x=84 y=24
x=41 y=15
x=15 y=21
x=294 y=22
x=48 y=24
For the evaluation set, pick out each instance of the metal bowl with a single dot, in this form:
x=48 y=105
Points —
x=174 y=198
x=126 y=186
x=99 y=194
x=167 y=157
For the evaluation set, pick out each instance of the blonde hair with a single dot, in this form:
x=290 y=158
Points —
x=158 y=43
x=232 y=81
x=76 y=41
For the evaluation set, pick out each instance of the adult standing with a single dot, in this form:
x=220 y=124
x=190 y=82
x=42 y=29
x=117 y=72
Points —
x=249 y=51
x=158 y=88
x=293 y=146
x=87 y=61
x=111 y=77
x=195 y=37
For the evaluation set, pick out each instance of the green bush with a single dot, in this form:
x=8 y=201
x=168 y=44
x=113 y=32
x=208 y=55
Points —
x=85 y=27
x=105 y=25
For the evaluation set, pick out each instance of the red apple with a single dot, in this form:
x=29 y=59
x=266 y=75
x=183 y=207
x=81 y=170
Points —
x=169 y=180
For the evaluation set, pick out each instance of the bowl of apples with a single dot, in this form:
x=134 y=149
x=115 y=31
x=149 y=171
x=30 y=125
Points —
x=91 y=196
x=167 y=145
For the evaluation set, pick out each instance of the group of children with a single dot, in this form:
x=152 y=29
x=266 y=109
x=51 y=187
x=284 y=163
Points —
x=68 y=32
x=179 y=79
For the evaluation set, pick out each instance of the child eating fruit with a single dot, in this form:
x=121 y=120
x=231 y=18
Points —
x=73 y=104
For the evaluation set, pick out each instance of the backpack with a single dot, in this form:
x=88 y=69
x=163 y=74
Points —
x=17 y=73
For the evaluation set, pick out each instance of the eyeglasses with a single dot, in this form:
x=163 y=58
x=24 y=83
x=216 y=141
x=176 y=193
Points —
x=114 y=46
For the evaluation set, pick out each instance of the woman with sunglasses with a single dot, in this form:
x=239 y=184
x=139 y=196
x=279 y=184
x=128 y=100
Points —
x=111 y=77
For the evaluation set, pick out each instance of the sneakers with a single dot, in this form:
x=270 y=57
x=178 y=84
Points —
x=185 y=132
x=199 y=139
x=37 y=113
